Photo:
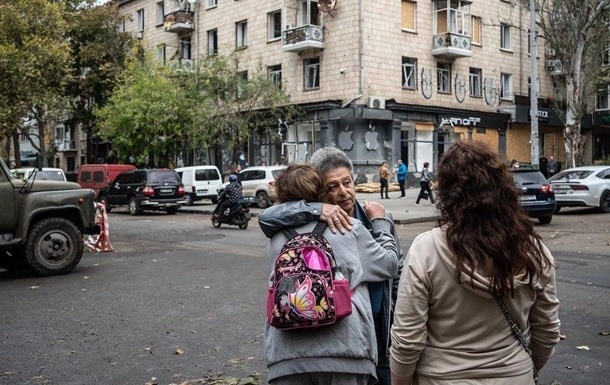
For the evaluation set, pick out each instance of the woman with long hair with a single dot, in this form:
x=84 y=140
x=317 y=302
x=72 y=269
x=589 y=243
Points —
x=449 y=326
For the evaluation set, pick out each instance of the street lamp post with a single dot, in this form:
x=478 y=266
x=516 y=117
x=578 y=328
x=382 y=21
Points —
x=535 y=151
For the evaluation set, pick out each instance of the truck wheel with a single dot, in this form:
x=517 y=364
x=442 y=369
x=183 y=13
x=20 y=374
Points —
x=134 y=206
x=54 y=246
x=104 y=201
x=171 y=210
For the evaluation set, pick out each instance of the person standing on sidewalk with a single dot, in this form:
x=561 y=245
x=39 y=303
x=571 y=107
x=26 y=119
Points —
x=551 y=167
x=401 y=176
x=384 y=174
x=425 y=185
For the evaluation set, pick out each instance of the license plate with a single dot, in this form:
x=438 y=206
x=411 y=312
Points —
x=560 y=191
x=203 y=191
x=166 y=190
x=527 y=198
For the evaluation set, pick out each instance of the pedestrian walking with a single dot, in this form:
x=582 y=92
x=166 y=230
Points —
x=384 y=174
x=425 y=192
x=551 y=167
x=401 y=176
x=465 y=279
x=344 y=353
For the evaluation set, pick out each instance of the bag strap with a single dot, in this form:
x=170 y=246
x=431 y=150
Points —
x=516 y=332
x=290 y=233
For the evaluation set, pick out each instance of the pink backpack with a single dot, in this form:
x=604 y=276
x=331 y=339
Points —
x=308 y=289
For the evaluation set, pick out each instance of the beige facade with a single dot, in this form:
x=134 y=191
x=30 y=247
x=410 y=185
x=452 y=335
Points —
x=361 y=52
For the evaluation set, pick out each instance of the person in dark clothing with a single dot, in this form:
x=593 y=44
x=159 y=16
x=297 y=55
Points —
x=425 y=185
x=236 y=172
x=232 y=195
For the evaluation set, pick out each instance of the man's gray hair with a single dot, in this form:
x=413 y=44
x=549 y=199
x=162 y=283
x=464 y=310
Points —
x=331 y=158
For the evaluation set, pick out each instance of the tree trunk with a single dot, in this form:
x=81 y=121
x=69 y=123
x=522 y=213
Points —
x=16 y=147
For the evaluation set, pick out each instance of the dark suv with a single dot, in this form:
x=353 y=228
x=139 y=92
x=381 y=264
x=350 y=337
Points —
x=153 y=189
x=537 y=195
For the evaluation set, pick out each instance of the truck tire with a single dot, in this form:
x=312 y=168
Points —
x=54 y=246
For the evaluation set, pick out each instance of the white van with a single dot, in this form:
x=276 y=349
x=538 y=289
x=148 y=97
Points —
x=200 y=182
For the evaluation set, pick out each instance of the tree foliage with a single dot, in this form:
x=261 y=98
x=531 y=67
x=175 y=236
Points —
x=34 y=59
x=577 y=30
x=157 y=112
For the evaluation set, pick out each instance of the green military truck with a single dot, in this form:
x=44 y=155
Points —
x=42 y=223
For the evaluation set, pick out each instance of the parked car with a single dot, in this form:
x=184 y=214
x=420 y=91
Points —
x=47 y=173
x=97 y=176
x=537 y=196
x=587 y=186
x=200 y=182
x=259 y=182
x=149 y=189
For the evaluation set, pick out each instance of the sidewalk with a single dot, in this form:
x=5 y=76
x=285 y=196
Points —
x=403 y=210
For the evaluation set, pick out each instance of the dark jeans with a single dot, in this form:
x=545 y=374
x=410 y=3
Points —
x=401 y=183
x=425 y=187
x=383 y=365
x=223 y=206
x=384 y=186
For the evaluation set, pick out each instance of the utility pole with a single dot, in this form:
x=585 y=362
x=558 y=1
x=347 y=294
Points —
x=534 y=86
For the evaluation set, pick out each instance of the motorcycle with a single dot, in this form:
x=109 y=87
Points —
x=238 y=215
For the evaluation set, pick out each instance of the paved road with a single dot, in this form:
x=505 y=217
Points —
x=179 y=300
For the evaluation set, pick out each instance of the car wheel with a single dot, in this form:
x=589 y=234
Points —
x=188 y=199
x=103 y=200
x=171 y=210
x=545 y=220
x=54 y=246
x=604 y=202
x=134 y=207
x=262 y=199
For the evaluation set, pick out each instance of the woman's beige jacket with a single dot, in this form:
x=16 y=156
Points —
x=444 y=332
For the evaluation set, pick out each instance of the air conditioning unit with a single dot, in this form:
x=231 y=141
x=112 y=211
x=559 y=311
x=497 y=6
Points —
x=550 y=52
x=553 y=65
x=140 y=35
x=376 y=102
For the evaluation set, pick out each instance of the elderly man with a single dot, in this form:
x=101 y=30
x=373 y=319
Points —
x=339 y=207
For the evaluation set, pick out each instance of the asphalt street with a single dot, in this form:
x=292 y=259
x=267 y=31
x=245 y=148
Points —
x=180 y=302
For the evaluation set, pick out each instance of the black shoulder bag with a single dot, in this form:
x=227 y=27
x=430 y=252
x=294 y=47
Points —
x=517 y=333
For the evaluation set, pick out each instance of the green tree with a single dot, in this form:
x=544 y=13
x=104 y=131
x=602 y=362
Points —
x=149 y=115
x=239 y=101
x=100 y=52
x=34 y=61
x=577 y=30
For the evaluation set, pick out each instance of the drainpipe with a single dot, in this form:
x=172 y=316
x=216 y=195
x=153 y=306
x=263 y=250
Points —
x=361 y=46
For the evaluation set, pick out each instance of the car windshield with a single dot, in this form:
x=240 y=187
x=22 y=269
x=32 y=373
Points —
x=49 y=175
x=572 y=174
x=165 y=176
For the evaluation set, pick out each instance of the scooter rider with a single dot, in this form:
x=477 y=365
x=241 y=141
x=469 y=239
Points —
x=232 y=195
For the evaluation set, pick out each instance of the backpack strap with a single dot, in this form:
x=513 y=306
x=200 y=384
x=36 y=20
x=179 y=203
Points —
x=289 y=232
x=320 y=227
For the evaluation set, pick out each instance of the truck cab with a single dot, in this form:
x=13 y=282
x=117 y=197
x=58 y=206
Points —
x=43 y=222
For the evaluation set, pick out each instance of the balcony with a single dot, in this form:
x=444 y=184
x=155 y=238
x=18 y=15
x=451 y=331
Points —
x=451 y=45
x=65 y=145
x=303 y=38
x=178 y=21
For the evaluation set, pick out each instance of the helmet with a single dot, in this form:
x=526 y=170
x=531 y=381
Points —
x=233 y=178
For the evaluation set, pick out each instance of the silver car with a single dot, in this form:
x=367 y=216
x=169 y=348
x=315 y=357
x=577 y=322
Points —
x=587 y=186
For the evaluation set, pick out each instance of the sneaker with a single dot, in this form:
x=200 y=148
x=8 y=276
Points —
x=417 y=204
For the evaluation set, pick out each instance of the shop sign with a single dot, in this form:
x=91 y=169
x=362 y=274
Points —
x=543 y=115
x=466 y=122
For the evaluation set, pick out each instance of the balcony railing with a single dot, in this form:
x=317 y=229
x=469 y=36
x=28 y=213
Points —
x=65 y=145
x=451 y=44
x=178 y=21
x=301 y=38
